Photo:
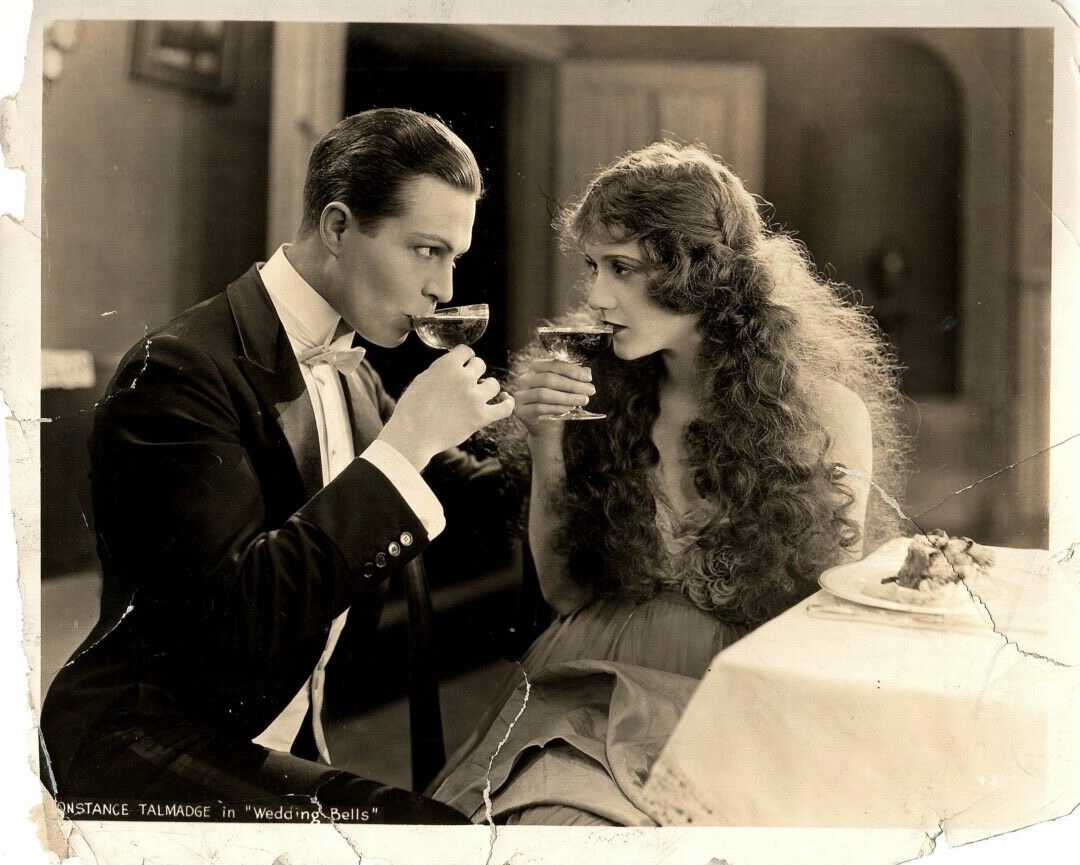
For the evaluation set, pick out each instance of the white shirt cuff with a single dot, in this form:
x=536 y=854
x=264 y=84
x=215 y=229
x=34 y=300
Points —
x=413 y=488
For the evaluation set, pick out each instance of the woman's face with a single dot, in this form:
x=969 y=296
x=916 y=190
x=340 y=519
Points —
x=618 y=290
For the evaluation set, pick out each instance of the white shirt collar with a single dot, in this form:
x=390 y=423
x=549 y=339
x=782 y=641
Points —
x=306 y=316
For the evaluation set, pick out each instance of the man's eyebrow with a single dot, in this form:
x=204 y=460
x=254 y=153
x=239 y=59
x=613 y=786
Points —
x=436 y=240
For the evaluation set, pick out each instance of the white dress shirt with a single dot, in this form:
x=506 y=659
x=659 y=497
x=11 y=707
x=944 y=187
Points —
x=310 y=322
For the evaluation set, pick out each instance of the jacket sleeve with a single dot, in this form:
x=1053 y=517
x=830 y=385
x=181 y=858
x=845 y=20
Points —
x=481 y=501
x=215 y=579
x=448 y=467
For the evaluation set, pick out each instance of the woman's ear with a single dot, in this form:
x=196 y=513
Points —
x=333 y=223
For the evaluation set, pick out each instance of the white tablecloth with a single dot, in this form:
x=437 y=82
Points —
x=878 y=720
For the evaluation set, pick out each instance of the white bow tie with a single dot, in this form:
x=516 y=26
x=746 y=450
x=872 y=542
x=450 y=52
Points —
x=344 y=360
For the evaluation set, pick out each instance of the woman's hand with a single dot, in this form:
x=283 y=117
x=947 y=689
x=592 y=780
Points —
x=550 y=387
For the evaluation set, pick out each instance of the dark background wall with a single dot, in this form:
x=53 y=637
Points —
x=154 y=198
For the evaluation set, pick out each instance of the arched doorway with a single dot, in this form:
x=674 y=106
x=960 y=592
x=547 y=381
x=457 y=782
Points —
x=891 y=131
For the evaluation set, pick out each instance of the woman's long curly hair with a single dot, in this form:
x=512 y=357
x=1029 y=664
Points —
x=774 y=335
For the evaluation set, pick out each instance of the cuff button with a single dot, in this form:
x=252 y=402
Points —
x=406 y=539
x=380 y=560
x=369 y=569
x=394 y=549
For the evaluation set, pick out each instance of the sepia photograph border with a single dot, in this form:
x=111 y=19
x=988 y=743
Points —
x=33 y=829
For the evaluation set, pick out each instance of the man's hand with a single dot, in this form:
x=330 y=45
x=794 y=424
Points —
x=444 y=405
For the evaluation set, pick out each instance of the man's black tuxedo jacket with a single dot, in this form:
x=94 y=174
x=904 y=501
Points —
x=224 y=558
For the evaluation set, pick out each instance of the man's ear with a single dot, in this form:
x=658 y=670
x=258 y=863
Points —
x=333 y=223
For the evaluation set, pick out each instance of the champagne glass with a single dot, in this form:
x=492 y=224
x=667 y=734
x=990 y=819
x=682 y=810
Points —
x=576 y=344
x=452 y=325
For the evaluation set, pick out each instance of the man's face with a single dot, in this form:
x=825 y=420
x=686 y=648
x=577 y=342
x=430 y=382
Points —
x=407 y=264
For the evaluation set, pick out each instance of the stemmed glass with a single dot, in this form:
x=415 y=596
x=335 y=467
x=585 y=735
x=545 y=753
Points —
x=576 y=344
x=452 y=325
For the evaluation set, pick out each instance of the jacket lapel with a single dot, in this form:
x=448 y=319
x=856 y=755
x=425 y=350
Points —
x=270 y=366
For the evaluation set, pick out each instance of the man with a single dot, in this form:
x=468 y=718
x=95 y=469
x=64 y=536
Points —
x=253 y=485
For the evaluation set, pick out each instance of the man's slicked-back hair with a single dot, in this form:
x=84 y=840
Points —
x=366 y=159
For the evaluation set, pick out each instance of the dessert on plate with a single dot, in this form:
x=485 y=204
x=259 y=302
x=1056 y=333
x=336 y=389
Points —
x=935 y=570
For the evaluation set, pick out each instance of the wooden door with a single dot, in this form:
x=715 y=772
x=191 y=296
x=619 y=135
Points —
x=306 y=99
x=608 y=107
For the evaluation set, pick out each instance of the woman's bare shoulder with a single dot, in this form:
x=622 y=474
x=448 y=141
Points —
x=840 y=406
x=847 y=421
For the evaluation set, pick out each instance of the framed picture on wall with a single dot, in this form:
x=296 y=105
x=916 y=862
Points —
x=198 y=56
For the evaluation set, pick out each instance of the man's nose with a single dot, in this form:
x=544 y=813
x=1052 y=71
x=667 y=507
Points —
x=440 y=288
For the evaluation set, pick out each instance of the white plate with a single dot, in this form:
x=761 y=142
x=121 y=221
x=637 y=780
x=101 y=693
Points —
x=851 y=582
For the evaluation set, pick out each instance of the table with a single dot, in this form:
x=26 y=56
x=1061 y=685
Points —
x=875 y=719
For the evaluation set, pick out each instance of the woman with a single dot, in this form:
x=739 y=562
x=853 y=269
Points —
x=748 y=405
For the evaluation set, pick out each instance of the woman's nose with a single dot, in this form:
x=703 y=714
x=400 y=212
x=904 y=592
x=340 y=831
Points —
x=599 y=296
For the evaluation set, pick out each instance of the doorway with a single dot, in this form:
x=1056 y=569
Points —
x=891 y=132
